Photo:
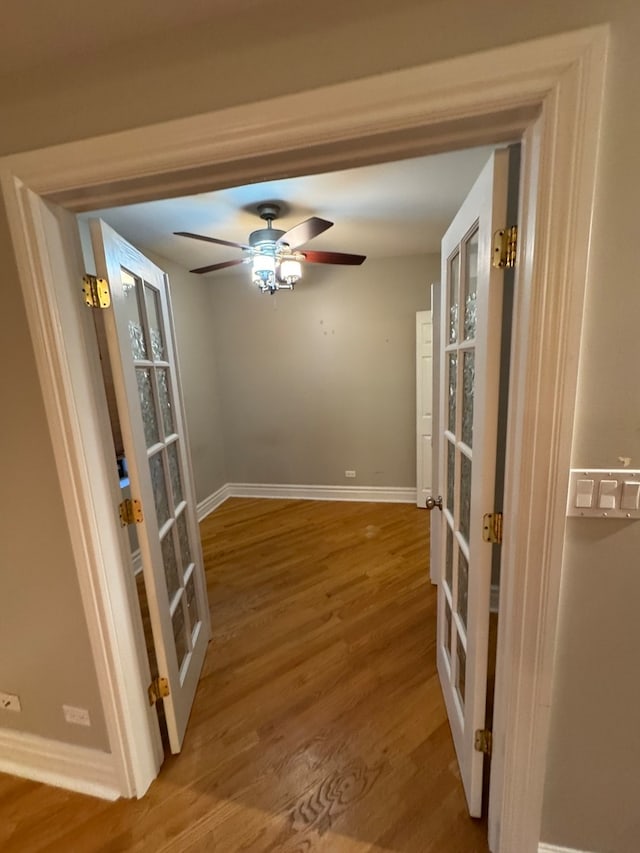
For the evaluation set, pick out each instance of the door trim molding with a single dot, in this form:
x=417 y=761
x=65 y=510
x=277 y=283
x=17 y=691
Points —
x=548 y=90
x=65 y=765
x=558 y=179
x=484 y=97
x=75 y=404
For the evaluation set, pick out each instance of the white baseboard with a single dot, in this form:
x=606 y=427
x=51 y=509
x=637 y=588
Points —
x=382 y=494
x=552 y=848
x=76 y=768
x=212 y=502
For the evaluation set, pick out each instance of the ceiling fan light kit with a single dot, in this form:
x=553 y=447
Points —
x=276 y=263
x=290 y=270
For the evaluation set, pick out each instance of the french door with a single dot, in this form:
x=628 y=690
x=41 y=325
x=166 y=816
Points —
x=424 y=405
x=469 y=354
x=140 y=338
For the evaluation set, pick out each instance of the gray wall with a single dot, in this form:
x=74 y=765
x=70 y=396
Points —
x=322 y=380
x=45 y=655
x=594 y=765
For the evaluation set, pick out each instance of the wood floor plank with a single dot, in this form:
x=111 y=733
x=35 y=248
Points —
x=318 y=724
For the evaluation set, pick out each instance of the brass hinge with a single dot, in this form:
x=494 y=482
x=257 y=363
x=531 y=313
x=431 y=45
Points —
x=492 y=527
x=505 y=245
x=158 y=689
x=130 y=512
x=96 y=292
x=482 y=741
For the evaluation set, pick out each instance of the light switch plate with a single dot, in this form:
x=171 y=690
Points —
x=610 y=486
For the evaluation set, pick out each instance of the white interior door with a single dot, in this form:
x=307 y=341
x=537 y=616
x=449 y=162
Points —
x=471 y=305
x=435 y=569
x=424 y=405
x=141 y=347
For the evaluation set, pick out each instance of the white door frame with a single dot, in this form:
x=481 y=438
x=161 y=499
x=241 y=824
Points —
x=423 y=318
x=549 y=91
x=435 y=569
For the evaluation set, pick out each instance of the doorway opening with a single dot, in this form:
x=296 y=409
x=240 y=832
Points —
x=456 y=173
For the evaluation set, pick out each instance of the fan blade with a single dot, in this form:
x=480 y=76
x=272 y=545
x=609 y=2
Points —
x=333 y=258
x=211 y=240
x=220 y=266
x=305 y=231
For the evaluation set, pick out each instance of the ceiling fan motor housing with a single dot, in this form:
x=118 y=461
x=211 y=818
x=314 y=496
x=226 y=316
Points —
x=264 y=239
x=264 y=236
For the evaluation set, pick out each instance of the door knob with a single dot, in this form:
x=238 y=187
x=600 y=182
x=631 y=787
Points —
x=432 y=503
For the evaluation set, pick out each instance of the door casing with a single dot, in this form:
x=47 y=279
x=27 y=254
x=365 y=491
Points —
x=549 y=93
x=435 y=569
x=424 y=320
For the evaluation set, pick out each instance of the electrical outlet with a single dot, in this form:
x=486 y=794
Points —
x=77 y=716
x=10 y=702
x=350 y=474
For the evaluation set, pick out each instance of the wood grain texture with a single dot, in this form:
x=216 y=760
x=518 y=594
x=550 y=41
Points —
x=318 y=724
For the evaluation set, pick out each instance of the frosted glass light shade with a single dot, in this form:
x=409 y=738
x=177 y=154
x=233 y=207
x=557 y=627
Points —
x=264 y=270
x=290 y=271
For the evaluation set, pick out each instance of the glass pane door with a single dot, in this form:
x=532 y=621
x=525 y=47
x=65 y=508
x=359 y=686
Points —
x=154 y=376
x=471 y=304
x=140 y=340
x=458 y=438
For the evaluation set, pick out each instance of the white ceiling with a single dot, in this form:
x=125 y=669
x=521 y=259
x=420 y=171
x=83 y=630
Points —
x=380 y=211
x=36 y=33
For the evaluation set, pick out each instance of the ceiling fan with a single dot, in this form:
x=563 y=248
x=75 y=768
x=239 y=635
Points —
x=274 y=254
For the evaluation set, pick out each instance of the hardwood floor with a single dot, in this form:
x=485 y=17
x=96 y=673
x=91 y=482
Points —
x=318 y=724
